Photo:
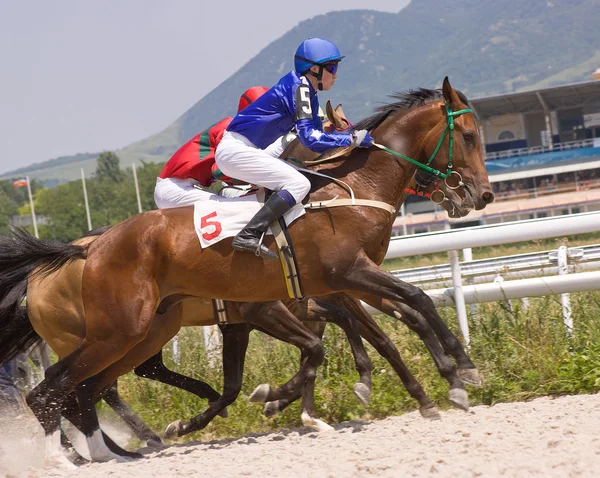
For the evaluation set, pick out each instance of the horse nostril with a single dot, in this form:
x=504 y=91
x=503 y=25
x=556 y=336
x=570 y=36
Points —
x=488 y=197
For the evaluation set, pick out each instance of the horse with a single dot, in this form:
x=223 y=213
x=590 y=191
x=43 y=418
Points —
x=152 y=262
x=55 y=313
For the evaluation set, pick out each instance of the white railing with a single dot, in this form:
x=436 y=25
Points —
x=567 y=145
x=507 y=233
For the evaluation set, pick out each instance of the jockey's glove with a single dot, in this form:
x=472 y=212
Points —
x=361 y=138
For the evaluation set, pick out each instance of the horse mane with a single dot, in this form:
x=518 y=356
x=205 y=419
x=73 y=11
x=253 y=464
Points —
x=406 y=100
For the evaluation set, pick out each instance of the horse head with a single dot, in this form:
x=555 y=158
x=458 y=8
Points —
x=460 y=158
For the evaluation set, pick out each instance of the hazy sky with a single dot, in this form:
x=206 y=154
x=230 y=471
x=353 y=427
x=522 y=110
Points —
x=87 y=75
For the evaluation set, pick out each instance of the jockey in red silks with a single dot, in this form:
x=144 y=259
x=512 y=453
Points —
x=187 y=176
x=292 y=102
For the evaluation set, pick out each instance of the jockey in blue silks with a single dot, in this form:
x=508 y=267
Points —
x=292 y=102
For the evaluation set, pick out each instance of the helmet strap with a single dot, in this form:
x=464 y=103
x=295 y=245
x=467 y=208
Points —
x=318 y=76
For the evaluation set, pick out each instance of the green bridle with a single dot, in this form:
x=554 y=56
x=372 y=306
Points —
x=449 y=130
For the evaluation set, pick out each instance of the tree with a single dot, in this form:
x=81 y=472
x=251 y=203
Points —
x=107 y=167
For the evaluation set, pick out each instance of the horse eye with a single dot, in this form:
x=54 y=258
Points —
x=470 y=138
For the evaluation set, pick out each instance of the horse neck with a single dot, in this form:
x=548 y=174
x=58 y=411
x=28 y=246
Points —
x=375 y=174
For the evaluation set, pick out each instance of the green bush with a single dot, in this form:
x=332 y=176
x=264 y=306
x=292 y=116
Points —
x=522 y=353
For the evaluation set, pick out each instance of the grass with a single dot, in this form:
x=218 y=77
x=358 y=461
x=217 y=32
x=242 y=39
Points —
x=522 y=353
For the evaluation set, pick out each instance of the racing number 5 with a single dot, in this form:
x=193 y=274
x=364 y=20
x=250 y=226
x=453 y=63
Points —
x=204 y=222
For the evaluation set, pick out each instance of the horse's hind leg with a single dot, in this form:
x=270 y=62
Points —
x=321 y=312
x=326 y=312
x=275 y=318
x=72 y=412
x=110 y=334
x=124 y=411
x=235 y=344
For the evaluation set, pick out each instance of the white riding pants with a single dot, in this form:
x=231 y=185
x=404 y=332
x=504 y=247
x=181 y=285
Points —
x=173 y=192
x=238 y=158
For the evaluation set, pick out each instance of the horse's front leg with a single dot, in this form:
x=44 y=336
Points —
x=155 y=369
x=366 y=279
x=416 y=322
x=423 y=324
x=371 y=331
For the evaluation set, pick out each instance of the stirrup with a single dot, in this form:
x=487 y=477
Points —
x=260 y=241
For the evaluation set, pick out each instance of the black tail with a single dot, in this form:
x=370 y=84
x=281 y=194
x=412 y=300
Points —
x=20 y=255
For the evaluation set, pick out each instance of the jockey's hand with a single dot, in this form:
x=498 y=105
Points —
x=361 y=138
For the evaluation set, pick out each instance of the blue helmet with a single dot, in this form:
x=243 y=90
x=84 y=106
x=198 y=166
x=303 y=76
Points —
x=315 y=51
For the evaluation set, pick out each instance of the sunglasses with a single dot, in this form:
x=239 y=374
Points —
x=331 y=67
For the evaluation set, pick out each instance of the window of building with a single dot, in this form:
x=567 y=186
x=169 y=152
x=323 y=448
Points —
x=506 y=135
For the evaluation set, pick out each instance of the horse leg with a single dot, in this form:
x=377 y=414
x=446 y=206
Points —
x=367 y=279
x=235 y=344
x=110 y=334
x=466 y=369
x=457 y=394
x=73 y=412
x=282 y=324
x=124 y=411
x=371 y=331
x=154 y=369
x=321 y=313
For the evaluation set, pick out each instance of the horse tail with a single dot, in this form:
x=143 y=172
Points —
x=16 y=332
x=21 y=253
x=22 y=256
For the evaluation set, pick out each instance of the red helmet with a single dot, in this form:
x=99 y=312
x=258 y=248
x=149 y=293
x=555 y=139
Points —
x=250 y=96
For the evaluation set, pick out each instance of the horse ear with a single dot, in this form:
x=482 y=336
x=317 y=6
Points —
x=329 y=111
x=449 y=94
x=340 y=111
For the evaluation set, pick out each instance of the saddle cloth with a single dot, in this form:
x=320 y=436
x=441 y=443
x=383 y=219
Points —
x=219 y=217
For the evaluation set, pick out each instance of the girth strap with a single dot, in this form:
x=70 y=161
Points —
x=351 y=202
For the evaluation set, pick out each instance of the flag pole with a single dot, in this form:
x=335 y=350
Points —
x=85 y=200
x=137 y=188
x=35 y=229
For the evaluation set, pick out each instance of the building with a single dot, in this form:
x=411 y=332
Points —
x=542 y=155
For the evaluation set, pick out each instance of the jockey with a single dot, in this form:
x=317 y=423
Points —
x=291 y=102
x=192 y=167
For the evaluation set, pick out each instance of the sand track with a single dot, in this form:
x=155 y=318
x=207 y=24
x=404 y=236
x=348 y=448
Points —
x=545 y=437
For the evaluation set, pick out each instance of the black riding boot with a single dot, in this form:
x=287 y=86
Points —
x=248 y=239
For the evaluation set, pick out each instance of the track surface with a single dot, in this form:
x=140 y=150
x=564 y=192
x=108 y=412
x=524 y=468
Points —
x=546 y=438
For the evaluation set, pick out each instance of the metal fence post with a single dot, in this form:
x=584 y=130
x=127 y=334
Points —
x=459 y=298
x=565 y=299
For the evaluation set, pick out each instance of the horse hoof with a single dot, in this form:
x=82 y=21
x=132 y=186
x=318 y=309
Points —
x=174 y=429
x=470 y=376
x=271 y=409
x=430 y=412
x=459 y=398
x=223 y=413
x=363 y=393
x=315 y=423
x=260 y=393
x=155 y=443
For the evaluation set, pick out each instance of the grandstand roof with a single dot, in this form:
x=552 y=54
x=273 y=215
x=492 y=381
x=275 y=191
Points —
x=585 y=94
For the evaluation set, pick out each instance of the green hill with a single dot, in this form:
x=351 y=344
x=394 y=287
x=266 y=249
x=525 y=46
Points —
x=484 y=46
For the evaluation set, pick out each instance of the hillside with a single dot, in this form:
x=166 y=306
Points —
x=484 y=46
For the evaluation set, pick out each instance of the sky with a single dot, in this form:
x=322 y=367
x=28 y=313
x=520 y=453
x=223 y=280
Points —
x=89 y=75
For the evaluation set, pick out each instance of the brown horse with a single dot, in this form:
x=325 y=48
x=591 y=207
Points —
x=55 y=311
x=153 y=261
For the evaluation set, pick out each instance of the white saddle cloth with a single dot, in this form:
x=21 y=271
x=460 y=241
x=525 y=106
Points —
x=219 y=217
